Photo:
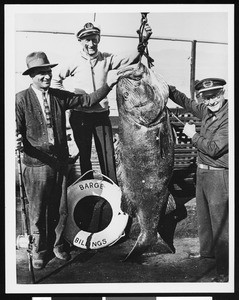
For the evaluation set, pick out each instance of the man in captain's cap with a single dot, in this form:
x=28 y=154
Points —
x=40 y=121
x=89 y=70
x=212 y=172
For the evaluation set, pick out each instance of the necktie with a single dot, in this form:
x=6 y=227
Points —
x=48 y=119
x=47 y=110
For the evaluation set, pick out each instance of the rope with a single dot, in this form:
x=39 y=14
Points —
x=144 y=40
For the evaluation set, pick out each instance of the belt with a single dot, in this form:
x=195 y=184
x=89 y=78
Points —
x=206 y=167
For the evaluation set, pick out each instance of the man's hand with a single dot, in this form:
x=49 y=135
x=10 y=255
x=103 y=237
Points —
x=113 y=77
x=142 y=45
x=148 y=30
x=189 y=130
x=73 y=149
x=19 y=145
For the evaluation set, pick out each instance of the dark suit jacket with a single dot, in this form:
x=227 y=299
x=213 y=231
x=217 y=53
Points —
x=31 y=123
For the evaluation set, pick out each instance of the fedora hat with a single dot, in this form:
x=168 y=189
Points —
x=37 y=60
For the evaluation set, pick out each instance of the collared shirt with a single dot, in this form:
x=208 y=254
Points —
x=212 y=141
x=40 y=99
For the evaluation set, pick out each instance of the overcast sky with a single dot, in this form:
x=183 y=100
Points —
x=172 y=59
x=203 y=23
x=199 y=22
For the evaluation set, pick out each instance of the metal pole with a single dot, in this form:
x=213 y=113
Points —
x=126 y=36
x=192 y=69
x=27 y=235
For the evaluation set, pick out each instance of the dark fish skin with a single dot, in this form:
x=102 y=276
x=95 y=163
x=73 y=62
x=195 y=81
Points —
x=145 y=151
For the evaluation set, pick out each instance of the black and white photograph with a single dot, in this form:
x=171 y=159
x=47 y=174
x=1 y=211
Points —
x=118 y=298
x=68 y=298
x=119 y=149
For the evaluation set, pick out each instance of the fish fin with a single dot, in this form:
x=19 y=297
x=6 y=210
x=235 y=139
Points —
x=170 y=204
x=160 y=246
x=162 y=147
x=174 y=133
x=134 y=254
x=166 y=230
x=160 y=144
x=143 y=243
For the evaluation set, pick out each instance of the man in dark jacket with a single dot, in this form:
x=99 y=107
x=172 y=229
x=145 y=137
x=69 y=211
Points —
x=41 y=126
x=212 y=171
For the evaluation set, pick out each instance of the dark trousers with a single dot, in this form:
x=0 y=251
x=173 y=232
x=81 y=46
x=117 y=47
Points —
x=98 y=125
x=46 y=191
x=212 y=213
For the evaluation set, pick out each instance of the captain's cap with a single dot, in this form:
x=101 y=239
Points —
x=88 y=29
x=209 y=85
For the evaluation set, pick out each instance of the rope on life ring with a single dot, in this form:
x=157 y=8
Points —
x=112 y=194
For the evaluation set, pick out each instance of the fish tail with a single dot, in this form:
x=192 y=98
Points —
x=143 y=243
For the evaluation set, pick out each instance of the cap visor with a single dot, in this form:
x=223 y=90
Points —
x=87 y=33
x=211 y=92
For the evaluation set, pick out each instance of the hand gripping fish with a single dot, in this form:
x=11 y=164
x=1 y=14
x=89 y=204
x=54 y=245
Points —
x=145 y=151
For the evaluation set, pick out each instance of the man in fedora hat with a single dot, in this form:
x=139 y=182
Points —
x=40 y=121
x=212 y=171
x=89 y=71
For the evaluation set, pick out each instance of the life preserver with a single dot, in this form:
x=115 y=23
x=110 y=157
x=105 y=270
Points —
x=113 y=232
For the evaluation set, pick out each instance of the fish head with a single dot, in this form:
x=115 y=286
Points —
x=141 y=94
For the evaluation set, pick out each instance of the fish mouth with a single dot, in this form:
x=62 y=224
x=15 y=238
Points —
x=138 y=100
x=132 y=73
x=147 y=120
x=139 y=96
x=142 y=104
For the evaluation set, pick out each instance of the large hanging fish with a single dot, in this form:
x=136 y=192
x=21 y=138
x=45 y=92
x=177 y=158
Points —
x=144 y=151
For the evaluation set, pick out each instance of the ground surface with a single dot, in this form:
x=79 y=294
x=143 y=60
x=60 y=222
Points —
x=106 y=265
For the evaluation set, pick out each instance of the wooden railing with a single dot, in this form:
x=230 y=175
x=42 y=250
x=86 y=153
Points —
x=185 y=153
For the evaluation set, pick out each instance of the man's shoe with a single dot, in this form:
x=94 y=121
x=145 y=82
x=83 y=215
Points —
x=38 y=261
x=220 y=278
x=194 y=255
x=38 y=264
x=198 y=256
x=59 y=253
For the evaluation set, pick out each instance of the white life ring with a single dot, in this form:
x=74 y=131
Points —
x=113 y=232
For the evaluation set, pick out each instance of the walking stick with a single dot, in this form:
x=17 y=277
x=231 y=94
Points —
x=25 y=240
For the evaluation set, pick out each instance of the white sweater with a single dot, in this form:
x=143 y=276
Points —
x=90 y=74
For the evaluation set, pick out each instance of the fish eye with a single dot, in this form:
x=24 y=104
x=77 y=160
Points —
x=126 y=94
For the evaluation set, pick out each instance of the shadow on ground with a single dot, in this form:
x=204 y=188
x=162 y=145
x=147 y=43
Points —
x=106 y=266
